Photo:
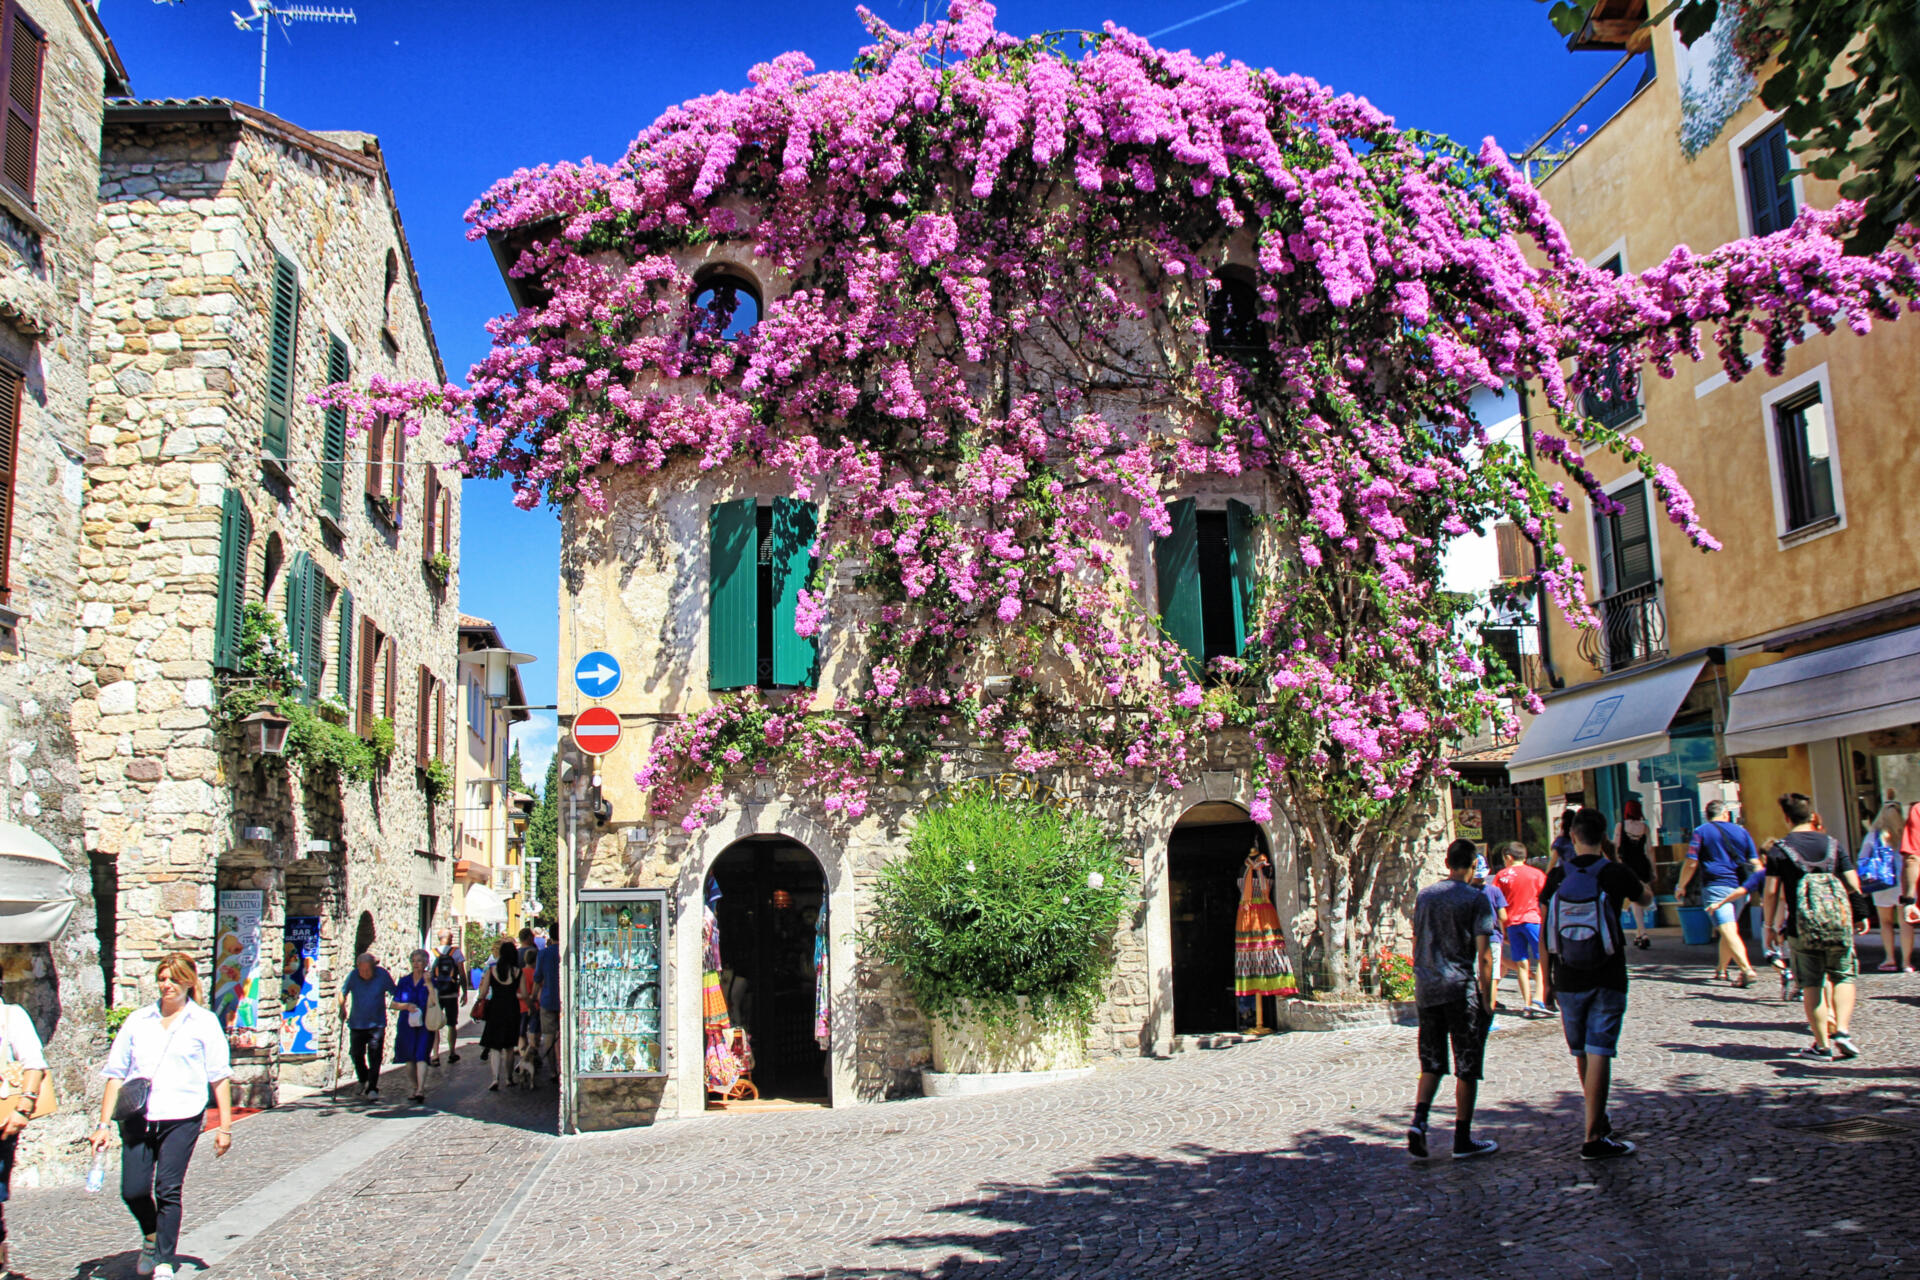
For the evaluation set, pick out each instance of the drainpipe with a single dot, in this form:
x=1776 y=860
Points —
x=1554 y=678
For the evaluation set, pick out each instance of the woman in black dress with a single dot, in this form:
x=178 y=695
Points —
x=500 y=1030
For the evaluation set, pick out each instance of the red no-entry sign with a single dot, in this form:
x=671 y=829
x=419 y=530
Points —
x=596 y=731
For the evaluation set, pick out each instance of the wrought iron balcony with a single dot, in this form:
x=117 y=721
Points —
x=1632 y=630
x=1621 y=388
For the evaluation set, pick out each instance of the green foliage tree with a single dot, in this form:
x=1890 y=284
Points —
x=543 y=833
x=515 y=780
x=1845 y=74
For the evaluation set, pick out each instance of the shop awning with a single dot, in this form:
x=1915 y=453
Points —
x=1604 y=723
x=36 y=887
x=485 y=906
x=467 y=871
x=1851 y=688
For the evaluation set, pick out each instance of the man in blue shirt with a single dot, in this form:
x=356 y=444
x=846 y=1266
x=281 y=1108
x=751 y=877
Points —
x=546 y=976
x=1723 y=855
x=363 y=1007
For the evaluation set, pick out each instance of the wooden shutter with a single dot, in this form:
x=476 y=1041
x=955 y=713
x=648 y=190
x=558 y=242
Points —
x=1512 y=552
x=24 y=53
x=1241 y=572
x=313 y=643
x=733 y=615
x=11 y=391
x=333 y=464
x=280 y=355
x=300 y=606
x=439 y=721
x=343 y=661
x=230 y=590
x=1768 y=169
x=1176 y=561
x=392 y=674
x=445 y=520
x=430 y=515
x=396 y=469
x=1632 y=540
x=369 y=667
x=796 y=658
x=423 y=717
x=376 y=456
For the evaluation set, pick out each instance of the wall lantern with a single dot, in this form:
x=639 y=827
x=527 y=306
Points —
x=266 y=732
x=497 y=666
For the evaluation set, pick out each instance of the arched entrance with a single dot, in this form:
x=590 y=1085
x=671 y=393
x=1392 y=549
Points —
x=1206 y=853
x=767 y=912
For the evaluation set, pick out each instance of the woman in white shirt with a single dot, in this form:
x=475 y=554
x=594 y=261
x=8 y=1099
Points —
x=179 y=1048
x=22 y=1065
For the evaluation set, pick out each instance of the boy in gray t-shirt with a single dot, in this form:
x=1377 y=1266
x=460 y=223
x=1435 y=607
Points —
x=1453 y=986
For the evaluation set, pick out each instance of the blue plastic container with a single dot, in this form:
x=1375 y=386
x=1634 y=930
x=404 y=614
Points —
x=1695 y=929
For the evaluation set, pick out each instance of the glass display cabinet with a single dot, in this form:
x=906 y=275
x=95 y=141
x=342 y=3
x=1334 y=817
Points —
x=619 y=955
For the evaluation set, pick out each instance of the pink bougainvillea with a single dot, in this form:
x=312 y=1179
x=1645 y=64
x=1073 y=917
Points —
x=987 y=266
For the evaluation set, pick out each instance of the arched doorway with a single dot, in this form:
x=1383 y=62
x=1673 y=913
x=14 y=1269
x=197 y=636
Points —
x=771 y=892
x=1206 y=853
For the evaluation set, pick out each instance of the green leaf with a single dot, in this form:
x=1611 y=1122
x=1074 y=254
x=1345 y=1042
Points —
x=1568 y=18
x=1696 y=20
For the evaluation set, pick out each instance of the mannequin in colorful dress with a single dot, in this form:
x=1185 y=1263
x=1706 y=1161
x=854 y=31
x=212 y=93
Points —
x=723 y=1068
x=1260 y=965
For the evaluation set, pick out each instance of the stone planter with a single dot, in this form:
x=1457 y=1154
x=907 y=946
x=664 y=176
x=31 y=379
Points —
x=1342 y=1015
x=970 y=1056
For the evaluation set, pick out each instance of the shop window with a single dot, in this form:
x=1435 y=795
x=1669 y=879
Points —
x=1768 y=170
x=23 y=57
x=1804 y=446
x=726 y=305
x=1205 y=571
x=760 y=558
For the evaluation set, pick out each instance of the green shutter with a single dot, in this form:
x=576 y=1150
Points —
x=796 y=658
x=299 y=585
x=1176 y=560
x=733 y=637
x=313 y=644
x=333 y=465
x=1241 y=571
x=343 y=660
x=230 y=591
x=280 y=343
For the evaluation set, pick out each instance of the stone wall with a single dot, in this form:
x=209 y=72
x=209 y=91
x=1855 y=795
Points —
x=46 y=255
x=192 y=213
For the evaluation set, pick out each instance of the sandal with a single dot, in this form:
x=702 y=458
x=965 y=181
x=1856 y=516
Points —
x=1887 y=966
x=1742 y=982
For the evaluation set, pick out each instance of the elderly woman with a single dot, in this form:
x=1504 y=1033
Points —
x=165 y=1059
x=363 y=1007
x=412 y=1042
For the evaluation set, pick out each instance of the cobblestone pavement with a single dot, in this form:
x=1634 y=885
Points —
x=1276 y=1158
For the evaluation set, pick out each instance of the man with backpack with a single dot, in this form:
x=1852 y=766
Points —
x=1810 y=877
x=1584 y=896
x=449 y=977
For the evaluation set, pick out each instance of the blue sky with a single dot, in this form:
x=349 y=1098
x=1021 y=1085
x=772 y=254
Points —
x=463 y=93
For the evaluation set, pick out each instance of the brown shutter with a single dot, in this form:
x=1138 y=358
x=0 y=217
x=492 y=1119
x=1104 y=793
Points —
x=446 y=520
x=439 y=721
x=397 y=469
x=393 y=677
x=25 y=50
x=422 y=718
x=1514 y=552
x=429 y=514
x=369 y=667
x=376 y=451
x=11 y=390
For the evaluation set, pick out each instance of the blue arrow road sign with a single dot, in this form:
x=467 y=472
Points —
x=597 y=674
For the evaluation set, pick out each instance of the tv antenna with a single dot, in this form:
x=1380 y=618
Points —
x=265 y=11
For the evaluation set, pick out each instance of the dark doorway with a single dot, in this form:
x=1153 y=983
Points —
x=771 y=892
x=1205 y=856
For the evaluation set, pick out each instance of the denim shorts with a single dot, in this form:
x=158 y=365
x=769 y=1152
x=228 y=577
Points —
x=1591 y=1020
x=1719 y=910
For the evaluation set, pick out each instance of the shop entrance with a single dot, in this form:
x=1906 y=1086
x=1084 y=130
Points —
x=1205 y=856
x=768 y=915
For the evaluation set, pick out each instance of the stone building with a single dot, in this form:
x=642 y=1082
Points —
x=243 y=263
x=59 y=66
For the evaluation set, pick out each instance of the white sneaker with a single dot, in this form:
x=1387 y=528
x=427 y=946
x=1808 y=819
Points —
x=143 y=1265
x=163 y=1271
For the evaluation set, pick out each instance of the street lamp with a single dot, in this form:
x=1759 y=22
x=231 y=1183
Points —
x=498 y=665
x=266 y=732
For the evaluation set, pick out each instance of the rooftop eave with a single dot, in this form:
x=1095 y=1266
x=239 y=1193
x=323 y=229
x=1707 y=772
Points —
x=1617 y=26
x=507 y=246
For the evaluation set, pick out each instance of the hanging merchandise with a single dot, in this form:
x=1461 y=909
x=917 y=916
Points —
x=822 y=1031
x=1260 y=965
x=729 y=1055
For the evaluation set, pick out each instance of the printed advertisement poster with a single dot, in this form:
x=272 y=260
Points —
x=299 y=998
x=236 y=964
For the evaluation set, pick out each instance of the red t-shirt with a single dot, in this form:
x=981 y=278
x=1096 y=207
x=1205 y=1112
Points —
x=1522 y=884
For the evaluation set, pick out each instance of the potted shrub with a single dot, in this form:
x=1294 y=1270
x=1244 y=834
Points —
x=1001 y=919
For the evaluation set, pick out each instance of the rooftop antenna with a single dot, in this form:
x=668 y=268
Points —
x=265 y=11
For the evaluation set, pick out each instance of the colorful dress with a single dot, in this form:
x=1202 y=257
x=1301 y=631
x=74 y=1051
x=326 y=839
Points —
x=822 y=1029
x=1260 y=965
x=723 y=1067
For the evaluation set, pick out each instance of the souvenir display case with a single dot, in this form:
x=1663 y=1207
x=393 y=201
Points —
x=619 y=972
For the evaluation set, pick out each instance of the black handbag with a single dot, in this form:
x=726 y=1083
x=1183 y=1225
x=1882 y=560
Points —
x=136 y=1090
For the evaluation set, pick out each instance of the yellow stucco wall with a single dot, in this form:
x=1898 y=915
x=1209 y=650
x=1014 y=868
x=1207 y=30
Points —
x=1630 y=189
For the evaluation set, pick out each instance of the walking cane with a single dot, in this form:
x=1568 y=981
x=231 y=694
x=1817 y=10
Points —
x=339 y=1059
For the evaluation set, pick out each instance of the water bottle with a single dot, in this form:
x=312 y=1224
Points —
x=97 y=1175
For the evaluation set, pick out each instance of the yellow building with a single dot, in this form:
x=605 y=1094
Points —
x=487 y=873
x=1789 y=660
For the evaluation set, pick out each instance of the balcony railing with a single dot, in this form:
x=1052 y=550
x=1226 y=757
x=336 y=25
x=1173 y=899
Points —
x=1632 y=630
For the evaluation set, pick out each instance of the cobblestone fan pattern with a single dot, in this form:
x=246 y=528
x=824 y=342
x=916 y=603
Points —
x=1282 y=1157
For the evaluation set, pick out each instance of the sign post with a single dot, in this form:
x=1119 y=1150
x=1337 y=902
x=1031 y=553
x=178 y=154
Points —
x=597 y=674
x=596 y=731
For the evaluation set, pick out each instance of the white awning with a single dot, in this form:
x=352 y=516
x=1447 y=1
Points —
x=1606 y=723
x=1851 y=688
x=36 y=887
x=485 y=906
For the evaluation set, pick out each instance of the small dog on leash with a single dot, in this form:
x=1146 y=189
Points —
x=526 y=1063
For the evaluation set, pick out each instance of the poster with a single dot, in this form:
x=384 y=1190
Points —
x=299 y=998
x=236 y=964
x=1714 y=82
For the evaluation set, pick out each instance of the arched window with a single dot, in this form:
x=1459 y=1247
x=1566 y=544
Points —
x=726 y=305
x=1234 y=329
x=363 y=934
x=386 y=294
x=270 y=570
